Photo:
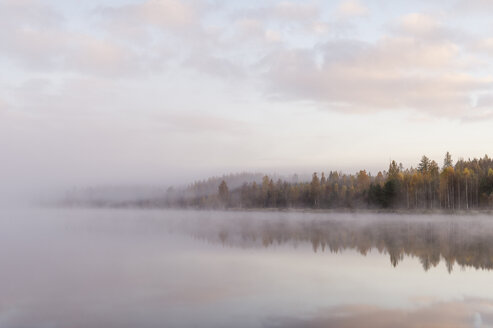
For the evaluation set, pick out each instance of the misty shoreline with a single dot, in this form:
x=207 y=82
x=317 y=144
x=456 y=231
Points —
x=421 y=212
x=461 y=188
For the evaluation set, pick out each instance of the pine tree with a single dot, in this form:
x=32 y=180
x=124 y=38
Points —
x=223 y=193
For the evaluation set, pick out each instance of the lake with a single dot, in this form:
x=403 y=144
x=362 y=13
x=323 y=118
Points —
x=170 y=268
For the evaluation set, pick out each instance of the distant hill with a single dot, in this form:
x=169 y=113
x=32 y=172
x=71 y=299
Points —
x=210 y=185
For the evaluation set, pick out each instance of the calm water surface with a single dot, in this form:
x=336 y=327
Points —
x=154 y=268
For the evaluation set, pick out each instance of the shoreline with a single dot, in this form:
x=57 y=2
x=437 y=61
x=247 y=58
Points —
x=421 y=212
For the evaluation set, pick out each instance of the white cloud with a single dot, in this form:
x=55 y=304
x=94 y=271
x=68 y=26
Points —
x=30 y=32
x=282 y=11
x=482 y=7
x=484 y=45
x=352 y=8
x=420 y=66
x=164 y=13
x=320 y=28
x=167 y=12
x=420 y=25
x=405 y=53
x=249 y=29
x=273 y=35
x=296 y=11
x=29 y=13
x=391 y=74
x=87 y=54
x=38 y=39
x=215 y=66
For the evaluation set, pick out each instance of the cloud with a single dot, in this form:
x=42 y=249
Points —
x=282 y=11
x=484 y=45
x=296 y=11
x=421 y=65
x=392 y=73
x=484 y=7
x=419 y=24
x=173 y=14
x=30 y=32
x=29 y=13
x=201 y=124
x=215 y=66
x=273 y=35
x=320 y=27
x=97 y=56
x=352 y=8
x=485 y=101
x=35 y=36
x=269 y=23
x=428 y=28
x=76 y=52
x=249 y=29
x=482 y=110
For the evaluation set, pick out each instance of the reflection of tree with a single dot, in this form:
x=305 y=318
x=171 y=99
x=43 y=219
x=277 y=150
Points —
x=469 y=244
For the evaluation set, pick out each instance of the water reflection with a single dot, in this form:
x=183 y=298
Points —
x=466 y=242
x=468 y=313
x=110 y=268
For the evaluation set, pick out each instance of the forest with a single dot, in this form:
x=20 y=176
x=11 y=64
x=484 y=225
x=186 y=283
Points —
x=463 y=185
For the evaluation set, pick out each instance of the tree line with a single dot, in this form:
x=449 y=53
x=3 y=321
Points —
x=463 y=185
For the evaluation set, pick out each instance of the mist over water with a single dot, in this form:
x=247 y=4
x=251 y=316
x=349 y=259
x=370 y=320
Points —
x=155 y=268
x=267 y=116
x=464 y=241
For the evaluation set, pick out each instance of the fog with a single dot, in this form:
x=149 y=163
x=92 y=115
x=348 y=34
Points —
x=40 y=166
x=120 y=119
x=154 y=268
x=99 y=93
x=456 y=240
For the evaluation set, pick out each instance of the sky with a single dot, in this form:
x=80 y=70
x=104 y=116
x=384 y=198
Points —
x=169 y=91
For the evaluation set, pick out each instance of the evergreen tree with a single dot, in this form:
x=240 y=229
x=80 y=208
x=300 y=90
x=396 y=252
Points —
x=447 y=161
x=223 y=192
